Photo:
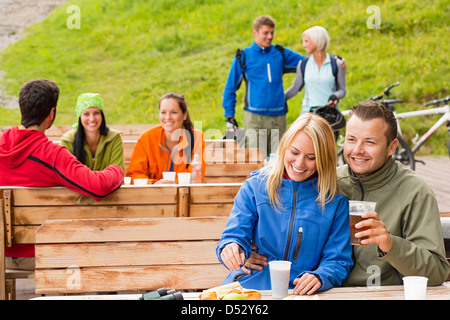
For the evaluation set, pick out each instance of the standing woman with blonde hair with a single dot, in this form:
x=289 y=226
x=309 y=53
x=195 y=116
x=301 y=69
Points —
x=322 y=86
x=292 y=210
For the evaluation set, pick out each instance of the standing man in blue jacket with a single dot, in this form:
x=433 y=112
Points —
x=261 y=67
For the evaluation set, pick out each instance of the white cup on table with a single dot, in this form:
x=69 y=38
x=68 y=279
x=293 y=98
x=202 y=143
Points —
x=184 y=177
x=415 y=287
x=127 y=180
x=140 y=182
x=169 y=175
x=279 y=278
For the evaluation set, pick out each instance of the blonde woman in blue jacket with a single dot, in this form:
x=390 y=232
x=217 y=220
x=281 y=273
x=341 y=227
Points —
x=292 y=210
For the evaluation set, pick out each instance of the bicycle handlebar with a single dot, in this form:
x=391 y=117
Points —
x=438 y=101
x=386 y=92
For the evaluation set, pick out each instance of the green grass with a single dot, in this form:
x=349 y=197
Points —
x=133 y=52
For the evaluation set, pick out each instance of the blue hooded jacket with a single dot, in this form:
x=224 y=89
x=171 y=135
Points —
x=264 y=72
x=324 y=249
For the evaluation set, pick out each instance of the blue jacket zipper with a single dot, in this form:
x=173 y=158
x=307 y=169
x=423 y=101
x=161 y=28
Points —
x=299 y=242
x=291 y=225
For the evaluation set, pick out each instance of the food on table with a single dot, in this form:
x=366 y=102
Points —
x=231 y=291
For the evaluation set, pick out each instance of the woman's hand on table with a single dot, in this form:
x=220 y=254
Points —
x=306 y=284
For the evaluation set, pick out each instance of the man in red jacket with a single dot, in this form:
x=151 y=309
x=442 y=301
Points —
x=29 y=159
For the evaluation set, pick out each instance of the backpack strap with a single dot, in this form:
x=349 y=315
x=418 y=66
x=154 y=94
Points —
x=302 y=68
x=334 y=67
x=286 y=69
x=240 y=56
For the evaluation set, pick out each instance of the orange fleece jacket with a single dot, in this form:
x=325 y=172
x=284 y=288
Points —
x=151 y=158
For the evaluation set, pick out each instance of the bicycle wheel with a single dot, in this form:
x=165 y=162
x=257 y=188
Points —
x=404 y=154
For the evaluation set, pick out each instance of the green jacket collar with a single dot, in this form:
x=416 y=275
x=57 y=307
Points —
x=378 y=178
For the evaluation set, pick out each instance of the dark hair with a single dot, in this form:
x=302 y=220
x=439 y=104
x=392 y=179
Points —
x=80 y=139
x=369 y=110
x=36 y=100
x=182 y=103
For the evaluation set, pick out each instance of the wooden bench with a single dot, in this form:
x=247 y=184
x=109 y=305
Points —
x=104 y=255
x=23 y=210
x=207 y=199
x=129 y=131
x=225 y=161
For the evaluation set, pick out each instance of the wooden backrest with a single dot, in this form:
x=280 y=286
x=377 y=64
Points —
x=98 y=255
x=129 y=131
x=225 y=161
x=25 y=209
x=208 y=199
x=30 y=207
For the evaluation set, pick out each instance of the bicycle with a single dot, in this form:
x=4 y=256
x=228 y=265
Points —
x=445 y=119
x=404 y=153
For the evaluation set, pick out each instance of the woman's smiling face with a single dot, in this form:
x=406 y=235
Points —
x=171 y=116
x=91 y=119
x=300 y=158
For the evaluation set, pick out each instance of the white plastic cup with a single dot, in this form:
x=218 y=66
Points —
x=415 y=287
x=140 y=182
x=127 y=180
x=184 y=177
x=169 y=175
x=279 y=278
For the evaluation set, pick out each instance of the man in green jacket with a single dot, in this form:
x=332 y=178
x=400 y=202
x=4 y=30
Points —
x=405 y=238
x=405 y=235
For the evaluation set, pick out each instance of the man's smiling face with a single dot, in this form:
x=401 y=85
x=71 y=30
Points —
x=366 y=149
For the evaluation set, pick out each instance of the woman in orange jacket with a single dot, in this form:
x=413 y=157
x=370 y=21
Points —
x=168 y=147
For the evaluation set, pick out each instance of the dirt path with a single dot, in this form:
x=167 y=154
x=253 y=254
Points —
x=15 y=16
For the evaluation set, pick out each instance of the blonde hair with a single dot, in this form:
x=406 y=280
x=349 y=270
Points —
x=319 y=36
x=319 y=130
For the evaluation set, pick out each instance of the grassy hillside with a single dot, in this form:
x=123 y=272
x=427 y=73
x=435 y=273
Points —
x=133 y=52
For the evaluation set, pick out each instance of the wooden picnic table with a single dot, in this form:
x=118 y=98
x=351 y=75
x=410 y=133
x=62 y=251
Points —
x=441 y=292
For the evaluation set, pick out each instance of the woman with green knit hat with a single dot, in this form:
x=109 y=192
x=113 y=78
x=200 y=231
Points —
x=92 y=141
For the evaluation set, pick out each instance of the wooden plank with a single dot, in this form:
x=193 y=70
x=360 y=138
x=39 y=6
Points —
x=24 y=234
x=210 y=209
x=183 y=202
x=38 y=215
x=154 y=229
x=129 y=131
x=234 y=179
x=233 y=155
x=129 y=278
x=211 y=144
x=60 y=196
x=214 y=193
x=133 y=131
x=2 y=253
x=231 y=169
x=129 y=254
x=445 y=214
x=128 y=147
x=7 y=209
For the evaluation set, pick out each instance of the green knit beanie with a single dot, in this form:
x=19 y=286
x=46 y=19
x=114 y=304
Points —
x=85 y=101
